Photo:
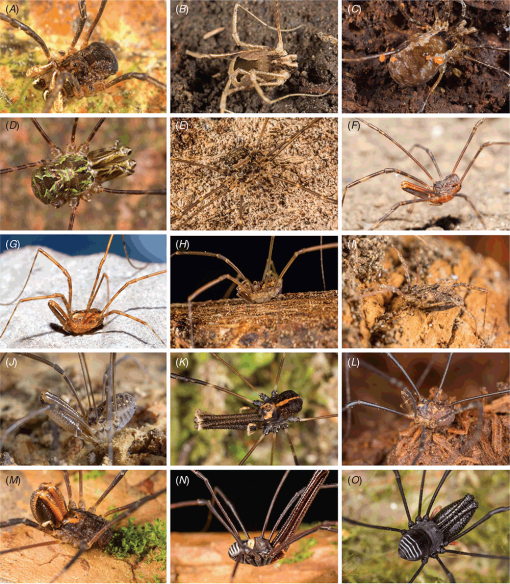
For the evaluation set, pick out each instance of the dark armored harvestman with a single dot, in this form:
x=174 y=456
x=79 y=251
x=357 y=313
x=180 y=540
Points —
x=437 y=434
x=254 y=174
x=430 y=536
x=73 y=525
x=76 y=173
x=81 y=72
x=88 y=412
x=314 y=502
x=423 y=55
x=303 y=390
x=442 y=191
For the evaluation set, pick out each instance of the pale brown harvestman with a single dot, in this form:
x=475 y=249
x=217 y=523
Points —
x=90 y=426
x=261 y=167
x=72 y=524
x=79 y=322
x=257 y=292
x=265 y=67
x=441 y=192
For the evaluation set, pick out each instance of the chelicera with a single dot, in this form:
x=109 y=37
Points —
x=76 y=73
x=77 y=173
x=68 y=523
x=427 y=53
x=442 y=191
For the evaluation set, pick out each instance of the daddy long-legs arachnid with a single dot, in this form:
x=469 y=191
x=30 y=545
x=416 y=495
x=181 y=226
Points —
x=381 y=393
x=270 y=508
x=294 y=304
x=371 y=548
x=116 y=303
x=449 y=292
x=209 y=392
x=48 y=407
x=132 y=549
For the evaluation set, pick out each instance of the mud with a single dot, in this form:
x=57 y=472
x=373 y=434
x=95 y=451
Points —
x=487 y=183
x=197 y=84
x=381 y=26
x=387 y=320
x=268 y=203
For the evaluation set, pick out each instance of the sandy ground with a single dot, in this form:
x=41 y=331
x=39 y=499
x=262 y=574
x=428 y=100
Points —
x=388 y=320
x=375 y=434
x=266 y=206
x=21 y=210
x=33 y=324
x=197 y=84
x=139 y=44
x=43 y=563
x=42 y=441
x=466 y=87
x=487 y=184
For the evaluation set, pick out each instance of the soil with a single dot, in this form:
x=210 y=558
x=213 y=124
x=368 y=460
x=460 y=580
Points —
x=487 y=184
x=379 y=437
x=466 y=87
x=387 y=320
x=21 y=210
x=197 y=84
x=42 y=564
x=40 y=441
x=134 y=30
x=274 y=205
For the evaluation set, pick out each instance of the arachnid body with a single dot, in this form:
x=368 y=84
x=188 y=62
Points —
x=457 y=413
x=47 y=515
x=485 y=206
x=425 y=307
x=262 y=316
x=268 y=57
x=241 y=556
x=54 y=413
x=75 y=173
x=208 y=429
x=254 y=174
x=381 y=529
x=401 y=56
x=73 y=63
x=26 y=324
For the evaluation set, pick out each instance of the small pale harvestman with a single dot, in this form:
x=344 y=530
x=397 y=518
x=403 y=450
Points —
x=439 y=432
x=56 y=411
x=267 y=491
x=68 y=541
x=277 y=321
x=304 y=390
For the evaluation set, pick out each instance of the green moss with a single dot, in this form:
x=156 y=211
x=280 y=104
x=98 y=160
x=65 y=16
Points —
x=91 y=474
x=147 y=542
x=303 y=553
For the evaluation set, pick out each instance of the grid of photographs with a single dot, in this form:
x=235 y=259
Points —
x=195 y=385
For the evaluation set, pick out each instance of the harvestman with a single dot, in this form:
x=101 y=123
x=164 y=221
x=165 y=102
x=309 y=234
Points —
x=79 y=322
x=265 y=67
x=442 y=191
x=251 y=292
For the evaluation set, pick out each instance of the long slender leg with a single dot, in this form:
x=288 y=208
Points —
x=487 y=64
x=436 y=492
x=190 y=379
x=447 y=572
x=291 y=447
x=27 y=30
x=213 y=193
x=23 y=166
x=442 y=69
x=371 y=405
x=347 y=395
x=473 y=132
x=325 y=527
x=139 y=76
x=94 y=24
x=402 y=531
x=262 y=436
x=110 y=488
x=82 y=7
x=394 y=208
x=416 y=574
x=430 y=153
x=470 y=287
x=468 y=200
x=401 y=489
x=129 y=284
x=476 y=155
x=301 y=252
x=137 y=320
x=421 y=494
x=378 y=173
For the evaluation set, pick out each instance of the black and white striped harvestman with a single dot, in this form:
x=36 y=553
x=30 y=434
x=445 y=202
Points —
x=262 y=550
x=434 y=418
x=313 y=377
x=70 y=524
x=370 y=555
